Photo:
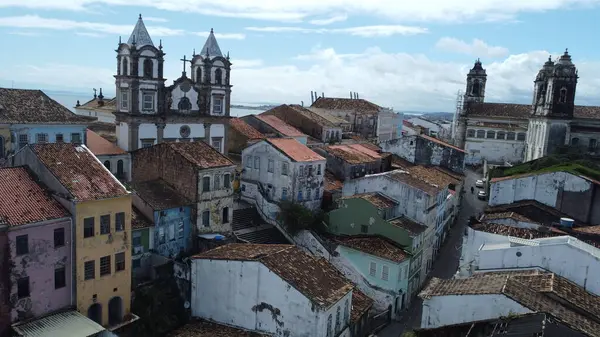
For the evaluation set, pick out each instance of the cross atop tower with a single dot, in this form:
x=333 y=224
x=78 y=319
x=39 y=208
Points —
x=184 y=60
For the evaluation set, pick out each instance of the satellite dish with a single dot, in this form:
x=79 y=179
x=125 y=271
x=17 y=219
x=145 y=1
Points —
x=186 y=304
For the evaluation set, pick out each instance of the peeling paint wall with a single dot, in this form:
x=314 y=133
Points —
x=215 y=201
x=422 y=151
x=495 y=151
x=564 y=191
x=5 y=282
x=248 y=295
x=39 y=265
x=172 y=231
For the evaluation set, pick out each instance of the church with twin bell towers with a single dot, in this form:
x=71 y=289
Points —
x=196 y=107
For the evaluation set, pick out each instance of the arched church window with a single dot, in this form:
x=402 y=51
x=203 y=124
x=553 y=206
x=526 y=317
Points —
x=476 y=88
x=199 y=75
x=218 y=76
x=148 y=68
x=575 y=141
x=184 y=104
x=480 y=133
x=563 y=95
x=125 y=72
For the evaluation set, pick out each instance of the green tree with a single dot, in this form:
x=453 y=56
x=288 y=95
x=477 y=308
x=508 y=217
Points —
x=296 y=217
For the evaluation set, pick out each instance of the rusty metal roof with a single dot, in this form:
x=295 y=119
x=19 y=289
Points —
x=294 y=149
x=438 y=141
x=361 y=303
x=139 y=220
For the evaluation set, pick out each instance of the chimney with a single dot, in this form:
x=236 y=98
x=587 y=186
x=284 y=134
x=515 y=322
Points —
x=302 y=102
x=351 y=94
x=323 y=94
x=312 y=98
x=357 y=96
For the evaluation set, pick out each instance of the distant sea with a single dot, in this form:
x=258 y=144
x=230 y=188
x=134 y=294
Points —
x=69 y=99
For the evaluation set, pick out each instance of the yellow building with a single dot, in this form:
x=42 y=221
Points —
x=101 y=208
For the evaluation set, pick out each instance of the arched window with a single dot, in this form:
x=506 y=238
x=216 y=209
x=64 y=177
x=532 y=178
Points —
x=329 y=332
x=337 y=320
x=107 y=164
x=115 y=311
x=125 y=70
x=491 y=134
x=199 y=75
x=480 y=133
x=476 y=90
x=347 y=312
x=95 y=313
x=563 y=95
x=148 y=68
x=218 y=76
x=575 y=141
x=120 y=170
x=184 y=104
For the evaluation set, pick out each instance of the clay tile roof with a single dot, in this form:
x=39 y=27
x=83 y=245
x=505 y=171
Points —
x=523 y=233
x=202 y=328
x=358 y=105
x=79 y=171
x=376 y=199
x=294 y=149
x=331 y=118
x=109 y=105
x=100 y=146
x=371 y=147
x=413 y=181
x=350 y=154
x=33 y=106
x=500 y=110
x=296 y=109
x=159 y=195
x=435 y=140
x=374 y=245
x=281 y=126
x=530 y=209
x=24 y=201
x=200 y=154
x=586 y=112
x=245 y=129
x=588 y=229
x=505 y=215
x=361 y=303
x=139 y=220
x=331 y=182
x=364 y=148
x=412 y=227
x=318 y=280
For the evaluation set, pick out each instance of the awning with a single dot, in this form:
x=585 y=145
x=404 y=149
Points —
x=68 y=323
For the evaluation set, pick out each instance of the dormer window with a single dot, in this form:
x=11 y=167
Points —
x=218 y=76
x=148 y=68
x=563 y=95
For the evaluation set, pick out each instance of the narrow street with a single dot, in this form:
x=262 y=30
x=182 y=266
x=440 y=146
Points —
x=448 y=259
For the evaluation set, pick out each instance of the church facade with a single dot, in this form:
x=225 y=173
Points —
x=512 y=133
x=193 y=108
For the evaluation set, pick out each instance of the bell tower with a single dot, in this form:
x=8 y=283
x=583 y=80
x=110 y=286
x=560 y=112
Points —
x=474 y=93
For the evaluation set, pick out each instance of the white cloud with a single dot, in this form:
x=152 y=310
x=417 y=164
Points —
x=153 y=19
x=297 y=10
x=477 y=48
x=330 y=20
x=404 y=81
x=363 y=31
x=25 y=33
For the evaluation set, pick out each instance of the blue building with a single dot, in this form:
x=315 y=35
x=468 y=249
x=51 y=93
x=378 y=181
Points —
x=30 y=116
x=170 y=212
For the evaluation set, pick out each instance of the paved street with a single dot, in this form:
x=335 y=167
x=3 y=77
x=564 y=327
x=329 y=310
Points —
x=447 y=263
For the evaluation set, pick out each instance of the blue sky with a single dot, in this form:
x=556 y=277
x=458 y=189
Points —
x=407 y=56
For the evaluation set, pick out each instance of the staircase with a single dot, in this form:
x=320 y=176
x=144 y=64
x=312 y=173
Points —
x=249 y=227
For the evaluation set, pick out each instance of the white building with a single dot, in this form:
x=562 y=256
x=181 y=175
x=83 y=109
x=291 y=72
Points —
x=115 y=159
x=435 y=129
x=283 y=169
x=276 y=289
x=495 y=295
x=191 y=109
x=98 y=107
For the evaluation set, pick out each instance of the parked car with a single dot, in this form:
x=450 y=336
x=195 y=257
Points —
x=482 y=195
x=479 y=183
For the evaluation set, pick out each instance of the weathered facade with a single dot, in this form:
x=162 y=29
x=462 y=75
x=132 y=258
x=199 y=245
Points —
x=309 y=122
x=192 y=109
x=351 y=161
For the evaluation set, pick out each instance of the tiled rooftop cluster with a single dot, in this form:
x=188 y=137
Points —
x=376 y=246
x=353 y=153
x=200 y=154
x=281 y=126
x=350 y=104
x=96 y=104
x=245 y=129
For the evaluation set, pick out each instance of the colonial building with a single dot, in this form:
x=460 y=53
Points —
x=506 y=132
x=351 y=161
x=115 y=159
x=309 y=122
x=98 y=107
x=241 y=134
x=193 y=108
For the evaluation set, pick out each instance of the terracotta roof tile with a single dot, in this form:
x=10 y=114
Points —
x=376 y=199
x=433 y=176
x=100 y=146
x=108 y=105
x=285 y=109
x=331 y=182
x=412 y=227
x=358 y=105
x=530 y=209
x=435 y=140
x=409 y=179
x=139 y=220
x=351 y=154
x=200 y=154
x=371 y=147
x=361 y=303
x=79 y=171
x=374 y=245
x=586 y=112
x=522 y=111
x=588 y=229
x=294 y=149
x=245 y=129
x=24 y=201
x=159 y=195
x=33 y=106
x=335 y=120
x=505 y=215
x=523 y=233
x=202 y=328
x=281 y=126
x=318 y=280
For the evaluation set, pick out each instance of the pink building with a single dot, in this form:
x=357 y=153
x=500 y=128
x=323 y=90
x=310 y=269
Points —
x=39 y=238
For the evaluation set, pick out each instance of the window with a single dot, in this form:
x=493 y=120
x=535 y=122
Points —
x=510 y=136
x=23 y=287
x=125 y=72
x=180 y=229
x=119 y=221
x=59 y=237
x=563 y=95
x=105 y=224
x=136 y=239
x=301 y=171
x=161 y=235
x=23 y=140
x=89 y=270
x=217 y=105
x=592 y=145
x=347 y=312
x=308 y=194
x=575 y=141
x=59 y=138
x=385 y=273
x=206 y=218
x=327 y=135
x=217 y=183
x=490 y=135
x=124 y=100
x=256 y=163
x=22 y=244
x=270 y=166
x=218 y=76
x=206 y=184
x=284 y=193
x=119 y=261
x=225 y=216
x=42 y=138
x=76 y=138
x=184 y=104
x=249 y=161
x=227 y=180
x=319 y=169
x=136 y=263
x=329 y=326
x=171 y=232
x=107 y=164
x=198 y=74
x=60 y=278
x=148 y=101
x=337 y=320
x=284 y=168
x=373 y=269
x=364 y=229
x=310 y=170
x=521 y=136
x=300 y=195
x=105 y=265
x=88 y=227
x=480 y=133
x=500 y=135
x=148 y=68
x=471 y=133
x=147 y=143
x=476 y=88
